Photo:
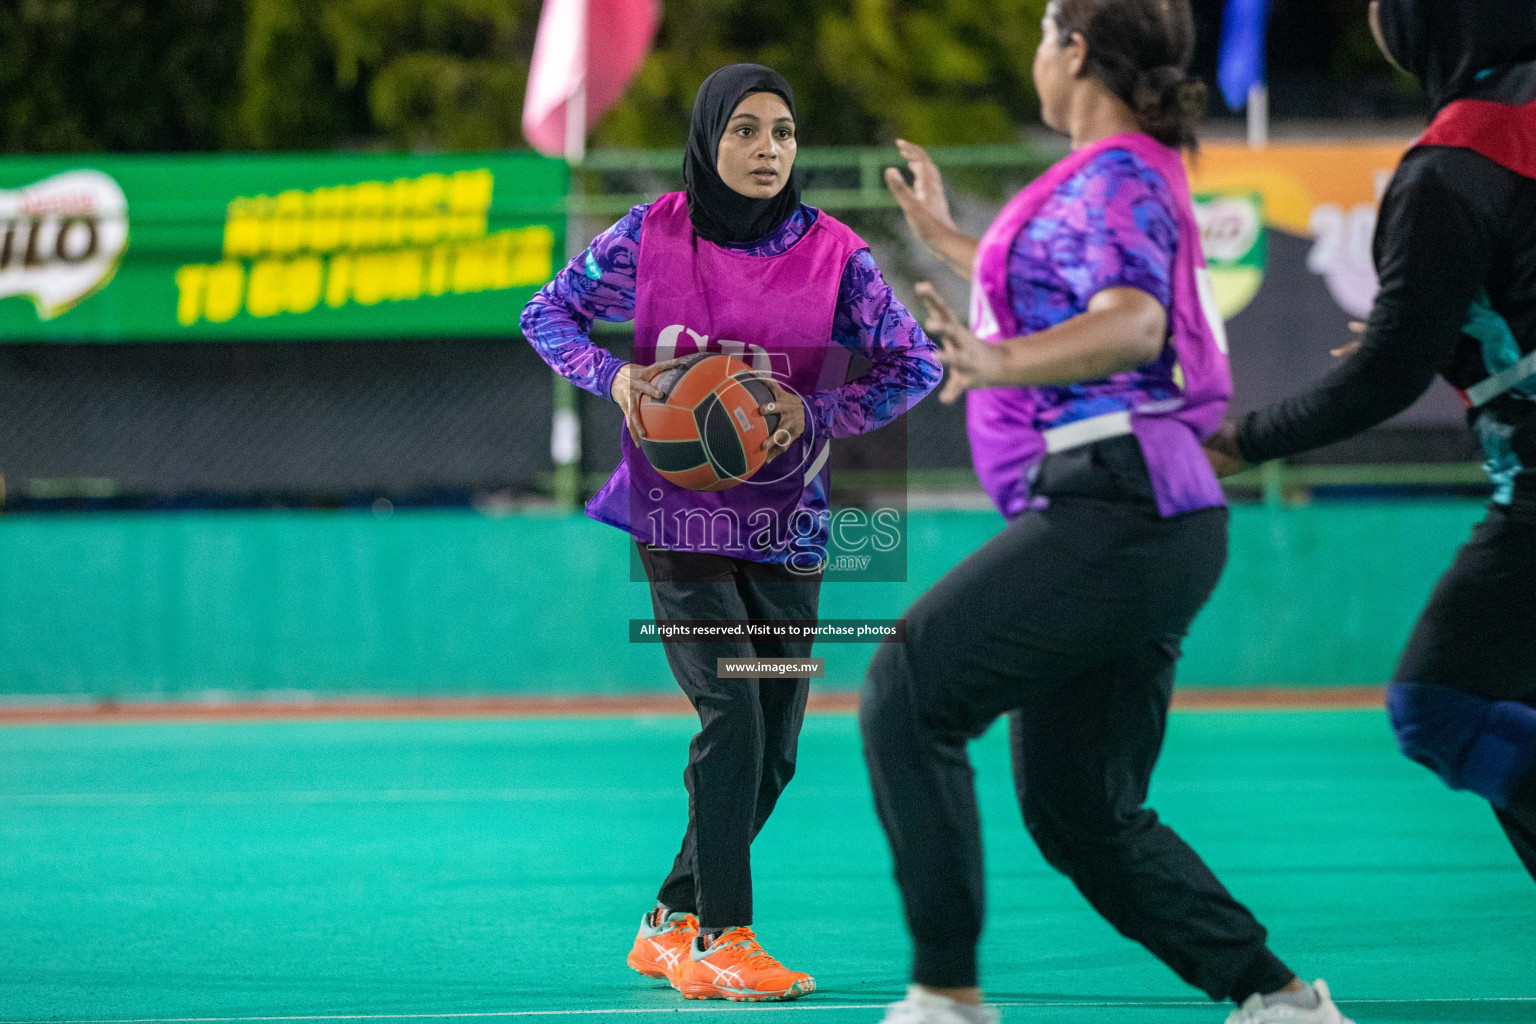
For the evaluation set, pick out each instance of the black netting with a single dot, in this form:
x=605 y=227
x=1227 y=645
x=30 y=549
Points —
x=319 y=418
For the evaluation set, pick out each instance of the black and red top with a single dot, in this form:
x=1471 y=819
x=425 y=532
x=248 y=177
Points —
x=1455 y=250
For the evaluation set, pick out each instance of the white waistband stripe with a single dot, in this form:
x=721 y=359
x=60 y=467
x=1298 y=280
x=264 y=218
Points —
x=1095 y=428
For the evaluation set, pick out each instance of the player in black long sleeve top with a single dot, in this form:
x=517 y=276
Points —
x=1455 y=251
x=1450 y=223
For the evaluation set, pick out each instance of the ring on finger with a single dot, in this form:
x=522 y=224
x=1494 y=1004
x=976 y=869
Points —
x=781 y=438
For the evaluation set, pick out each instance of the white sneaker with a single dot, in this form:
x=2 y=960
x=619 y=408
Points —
x=1253 y=1011
x=924 y=1007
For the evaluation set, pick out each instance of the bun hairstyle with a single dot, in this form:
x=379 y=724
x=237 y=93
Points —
x=1141 y=50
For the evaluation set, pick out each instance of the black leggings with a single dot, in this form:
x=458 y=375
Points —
x=744 y=753
x=1071 y=620
x=1478 y=635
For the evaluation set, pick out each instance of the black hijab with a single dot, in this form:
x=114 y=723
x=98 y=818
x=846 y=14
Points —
x=1448 y=44
x=720 y=213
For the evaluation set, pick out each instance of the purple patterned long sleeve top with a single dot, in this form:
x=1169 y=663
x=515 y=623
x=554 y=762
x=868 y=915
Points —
x=1110 y=225
x=869 y=319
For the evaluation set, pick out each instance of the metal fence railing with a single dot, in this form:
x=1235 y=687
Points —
x=860 y=168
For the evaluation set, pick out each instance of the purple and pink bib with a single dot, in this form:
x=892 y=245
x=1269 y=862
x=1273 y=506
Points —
x=1008 y=442
x=775 y=314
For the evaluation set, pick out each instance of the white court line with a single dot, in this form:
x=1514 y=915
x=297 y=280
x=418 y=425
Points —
x=530 y=794
x=724 y=1008
x=326 y=796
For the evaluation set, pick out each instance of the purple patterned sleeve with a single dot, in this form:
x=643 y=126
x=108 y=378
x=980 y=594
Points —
x=597 y=285
x=1111 y=225
x=871 y=321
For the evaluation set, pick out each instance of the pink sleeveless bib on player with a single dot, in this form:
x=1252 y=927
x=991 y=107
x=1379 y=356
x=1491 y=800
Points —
x=1005 y=443
x=772 y=312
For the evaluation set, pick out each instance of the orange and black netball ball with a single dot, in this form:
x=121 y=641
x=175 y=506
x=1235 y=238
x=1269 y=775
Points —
x=707 y=434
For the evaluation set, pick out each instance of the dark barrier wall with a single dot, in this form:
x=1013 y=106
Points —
x=325 y=419
x=393 y=419
x=138 y=606
x=319 y=418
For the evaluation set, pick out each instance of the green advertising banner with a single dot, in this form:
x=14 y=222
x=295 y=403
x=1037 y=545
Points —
x=169 y=248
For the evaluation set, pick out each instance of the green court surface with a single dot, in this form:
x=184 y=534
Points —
x=488 y=869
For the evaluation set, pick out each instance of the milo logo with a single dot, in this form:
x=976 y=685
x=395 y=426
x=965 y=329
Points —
x=1232 y=236
x=61 y=239
x=1229 y=227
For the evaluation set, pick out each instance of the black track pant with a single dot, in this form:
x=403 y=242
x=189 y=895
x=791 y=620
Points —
x=1071 y=620
x=744 y=753
x=1478 y=635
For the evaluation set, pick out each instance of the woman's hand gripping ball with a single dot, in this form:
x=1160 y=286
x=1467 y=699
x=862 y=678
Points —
x=791 y=412
x=632 y=381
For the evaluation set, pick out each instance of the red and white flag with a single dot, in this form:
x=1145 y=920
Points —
x=586 y=53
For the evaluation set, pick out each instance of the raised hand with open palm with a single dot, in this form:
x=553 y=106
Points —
x=927 y=211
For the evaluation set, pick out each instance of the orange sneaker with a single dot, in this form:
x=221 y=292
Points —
x=735 y=967
x=660 y=948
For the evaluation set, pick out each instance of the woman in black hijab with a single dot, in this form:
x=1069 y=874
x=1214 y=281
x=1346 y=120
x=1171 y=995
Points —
x=735 y=263
x=719 y=213
x=1453 y=47
x=1455 y=250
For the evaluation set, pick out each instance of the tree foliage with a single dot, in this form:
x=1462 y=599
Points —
x=450 y=74
x=863 y=70
x=406 y=74
x=116 y=74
